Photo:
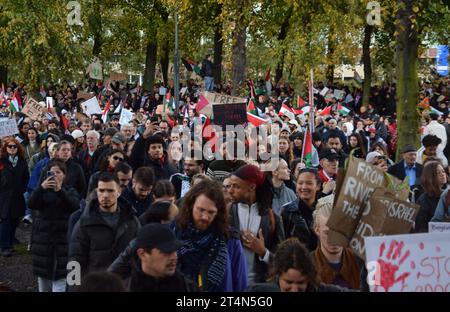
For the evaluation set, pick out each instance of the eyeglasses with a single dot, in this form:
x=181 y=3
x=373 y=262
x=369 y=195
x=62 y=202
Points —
x=118 y=158
x=11 y=146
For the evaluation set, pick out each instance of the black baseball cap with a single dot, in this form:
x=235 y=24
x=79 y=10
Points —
x=156 y=235
x=328 y=153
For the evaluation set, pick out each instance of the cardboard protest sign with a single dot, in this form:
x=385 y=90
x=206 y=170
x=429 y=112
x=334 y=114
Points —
x=230 y=114
x=34 y=110
x=408 y=263
x=125 y=116
x=8 y=126
x=218 y=98
x=438 y=227
x=84 y=95
x=91 y=107
x=383 y=215
x=117 y=76
x=360 y=181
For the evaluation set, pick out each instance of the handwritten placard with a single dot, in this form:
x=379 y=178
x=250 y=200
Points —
x=218 y=98
x=408 y=263
x=34 y=110
x=8 y=127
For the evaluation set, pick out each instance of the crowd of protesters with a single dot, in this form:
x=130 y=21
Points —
x=120 y=198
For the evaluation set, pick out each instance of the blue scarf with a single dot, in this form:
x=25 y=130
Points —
x=205 y=254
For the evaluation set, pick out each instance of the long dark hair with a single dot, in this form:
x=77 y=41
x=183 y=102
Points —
x=104 y=163
x=429 y=179
x=264 y=196
x=26 y=141
x=212 y=190
x=361 y=146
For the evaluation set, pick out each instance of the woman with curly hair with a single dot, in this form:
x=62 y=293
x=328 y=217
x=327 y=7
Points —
x=294 y=271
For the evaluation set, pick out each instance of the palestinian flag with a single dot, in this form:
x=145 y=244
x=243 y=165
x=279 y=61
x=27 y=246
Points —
x=201 y=104
x=251 y=108
x=2 y=95
x=209 y=135
x=19 y=100
x=286 y=111
x=14 y=104
x=302 y=111
x=344 y=111
x=309 y=152
x=326 y=111
x=300 y=102
x=65 y=121
x=268 y=83
x=255 y=120
x=252 y=90
x=425 y=103
x=105 y=115
x=191 y=65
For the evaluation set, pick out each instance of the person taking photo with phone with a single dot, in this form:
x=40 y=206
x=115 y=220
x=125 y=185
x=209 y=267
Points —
x=54 y=201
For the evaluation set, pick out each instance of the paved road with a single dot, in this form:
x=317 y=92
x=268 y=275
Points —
x=16 y=271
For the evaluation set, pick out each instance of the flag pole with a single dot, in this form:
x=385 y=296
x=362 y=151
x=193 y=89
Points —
x=303 y=145
x=311 y=102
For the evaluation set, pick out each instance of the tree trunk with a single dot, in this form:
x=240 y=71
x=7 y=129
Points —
x=164 y=61
x=330 y=67
x=281 y=37
x=95 y=24
x=280 y=67
x=4 y=75
x=367 y=65
x=165 y=51
x=239 y=56
x=218 y=46
x=150 y=65
x=407 y=80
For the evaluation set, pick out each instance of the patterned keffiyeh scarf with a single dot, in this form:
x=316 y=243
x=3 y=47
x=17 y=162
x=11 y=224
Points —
x=205 y=254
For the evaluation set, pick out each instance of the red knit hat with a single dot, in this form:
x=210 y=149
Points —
x=251 y=174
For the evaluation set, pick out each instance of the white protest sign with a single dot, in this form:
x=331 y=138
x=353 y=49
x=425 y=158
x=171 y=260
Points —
x=324 y=91
x=438 y=227
x=8 y=127
x=34 y=110
x=338 y=94
x=50 y=102
x=125 y=116
x=95 y=70
x=408 y=263
x=91 y=107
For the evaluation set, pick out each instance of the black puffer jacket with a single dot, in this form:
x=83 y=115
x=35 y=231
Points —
x=49 y=239
x=297 y=222
x=94 y=243
x=13 y=183
x=428 y=206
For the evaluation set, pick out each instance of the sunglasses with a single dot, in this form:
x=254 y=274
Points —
x=118 y=158
x=11 y=146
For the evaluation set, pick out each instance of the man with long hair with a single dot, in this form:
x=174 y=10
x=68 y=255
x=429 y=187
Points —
x=212 y=254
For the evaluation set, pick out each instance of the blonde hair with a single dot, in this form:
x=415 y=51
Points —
x=324 y=208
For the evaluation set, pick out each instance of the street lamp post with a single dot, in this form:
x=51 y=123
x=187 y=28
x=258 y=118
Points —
x=176 y=69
